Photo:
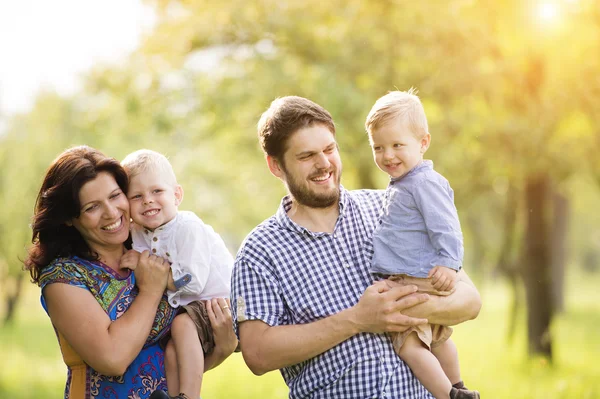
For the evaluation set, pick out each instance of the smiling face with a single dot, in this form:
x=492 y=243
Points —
x=311 y=167
x=153 y=198
x=396 y=149
x=104 y=219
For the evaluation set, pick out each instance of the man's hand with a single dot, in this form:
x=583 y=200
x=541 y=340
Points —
x=443 y=278
x=130 y=259
x=380 y=308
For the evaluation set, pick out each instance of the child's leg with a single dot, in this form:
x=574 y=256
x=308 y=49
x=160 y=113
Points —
x=425 y=367
x=190 y=356
x=447 y=355
x=171 y=369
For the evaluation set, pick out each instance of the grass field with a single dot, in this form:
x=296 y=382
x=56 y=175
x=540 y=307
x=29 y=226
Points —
x=32 y=366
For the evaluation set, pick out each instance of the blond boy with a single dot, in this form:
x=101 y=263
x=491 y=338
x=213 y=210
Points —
x=200 y=267
x=419 y=240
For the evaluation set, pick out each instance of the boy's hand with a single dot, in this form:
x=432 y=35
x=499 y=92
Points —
x=443 y=278
x=130 y=259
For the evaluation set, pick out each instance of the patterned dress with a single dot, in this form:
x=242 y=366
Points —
x=115 y=294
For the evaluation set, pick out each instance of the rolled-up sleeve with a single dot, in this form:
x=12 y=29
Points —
x=255 y=290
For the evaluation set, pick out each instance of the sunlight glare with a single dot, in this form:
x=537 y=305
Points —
x=548 y=12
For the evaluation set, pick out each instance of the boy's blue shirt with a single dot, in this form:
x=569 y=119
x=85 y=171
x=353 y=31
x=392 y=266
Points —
x=419 y=227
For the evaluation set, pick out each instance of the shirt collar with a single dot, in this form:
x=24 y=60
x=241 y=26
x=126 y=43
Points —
x=426 y=164
x=165 y=228
x=284 y=220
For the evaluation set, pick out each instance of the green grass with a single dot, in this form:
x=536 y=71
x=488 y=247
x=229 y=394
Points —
x=33 y=368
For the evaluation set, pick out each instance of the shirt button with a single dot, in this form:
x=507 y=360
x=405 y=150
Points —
x=174 y=302
x=155 y=239
x=147 y=232
x=153 y=250
x=168 y=254
x=346 y=265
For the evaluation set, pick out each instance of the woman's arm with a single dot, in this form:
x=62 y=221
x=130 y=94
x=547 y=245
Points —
x=108 y=346
x=224 y=336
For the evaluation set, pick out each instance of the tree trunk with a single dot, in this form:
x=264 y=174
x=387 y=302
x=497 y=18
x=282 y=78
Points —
x=559 y=251
x=537 y=267
x=507 y=264
x=12 y=299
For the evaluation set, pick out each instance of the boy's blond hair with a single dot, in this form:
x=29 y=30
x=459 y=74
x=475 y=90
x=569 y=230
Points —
x=147 y=160
x=404 y=105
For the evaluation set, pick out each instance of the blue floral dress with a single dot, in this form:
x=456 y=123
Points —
x=115 y=294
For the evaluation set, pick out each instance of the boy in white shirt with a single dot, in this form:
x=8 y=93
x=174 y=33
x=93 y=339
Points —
x=200 y=265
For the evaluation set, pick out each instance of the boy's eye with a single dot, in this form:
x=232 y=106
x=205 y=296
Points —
x=397 y=145
x=137 y=196
x=376 y=148
x=157 y=191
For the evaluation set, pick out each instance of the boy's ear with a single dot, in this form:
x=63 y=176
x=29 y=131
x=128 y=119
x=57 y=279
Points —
x=274 y=167
x=178 y=194
x=69 y=223
x=425 y=141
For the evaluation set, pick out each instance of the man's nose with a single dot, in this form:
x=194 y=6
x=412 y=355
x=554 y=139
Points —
x=323 y=161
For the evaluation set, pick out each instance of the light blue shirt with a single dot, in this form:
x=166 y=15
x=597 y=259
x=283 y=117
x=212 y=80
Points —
x=419 y=227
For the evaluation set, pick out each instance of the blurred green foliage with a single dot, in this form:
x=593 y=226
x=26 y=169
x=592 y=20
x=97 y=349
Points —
x=507 y=93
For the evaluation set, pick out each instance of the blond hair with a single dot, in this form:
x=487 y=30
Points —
x=147 y=160
x=403 y=105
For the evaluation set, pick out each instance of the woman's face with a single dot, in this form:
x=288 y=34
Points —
x=104 y=219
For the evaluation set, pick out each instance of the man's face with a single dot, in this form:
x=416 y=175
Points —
x=312 y=168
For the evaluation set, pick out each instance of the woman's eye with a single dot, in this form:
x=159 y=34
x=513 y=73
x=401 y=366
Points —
x=91 y=208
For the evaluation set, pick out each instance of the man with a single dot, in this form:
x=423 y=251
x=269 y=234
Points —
x=305 y=301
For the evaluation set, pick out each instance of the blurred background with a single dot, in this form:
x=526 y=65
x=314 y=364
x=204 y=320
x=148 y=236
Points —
x=511 y=90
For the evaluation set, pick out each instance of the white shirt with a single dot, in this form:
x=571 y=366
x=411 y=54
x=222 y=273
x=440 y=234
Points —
x=191 y=247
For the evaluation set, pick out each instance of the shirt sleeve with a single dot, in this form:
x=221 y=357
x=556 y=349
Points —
x=193 y=256
x=436 y=203
x=64 y=271
x=255 y=290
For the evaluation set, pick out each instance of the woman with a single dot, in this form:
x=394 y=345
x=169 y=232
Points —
x=108 y=320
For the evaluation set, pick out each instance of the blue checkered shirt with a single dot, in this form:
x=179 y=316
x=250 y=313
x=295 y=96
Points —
x=285 y=274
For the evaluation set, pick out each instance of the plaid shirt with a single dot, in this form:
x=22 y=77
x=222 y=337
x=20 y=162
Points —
x=285 y=274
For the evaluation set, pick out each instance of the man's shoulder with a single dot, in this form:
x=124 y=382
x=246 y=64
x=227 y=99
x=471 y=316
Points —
x=365 y=196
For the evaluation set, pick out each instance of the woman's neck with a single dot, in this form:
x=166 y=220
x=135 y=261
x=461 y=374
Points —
x=111 y=257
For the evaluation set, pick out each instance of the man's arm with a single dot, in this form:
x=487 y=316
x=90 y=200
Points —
x=462 y=305
x=380 y=308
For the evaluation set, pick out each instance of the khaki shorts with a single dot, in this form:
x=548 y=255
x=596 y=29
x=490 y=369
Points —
x=431 y=335
x=197 y=312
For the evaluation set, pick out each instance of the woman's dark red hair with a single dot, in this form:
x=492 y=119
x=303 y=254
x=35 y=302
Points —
x=58 y=202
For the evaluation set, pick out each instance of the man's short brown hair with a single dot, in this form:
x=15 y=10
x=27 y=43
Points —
x=285 y=116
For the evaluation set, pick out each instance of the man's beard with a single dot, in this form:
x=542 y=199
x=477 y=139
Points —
x=303 y=195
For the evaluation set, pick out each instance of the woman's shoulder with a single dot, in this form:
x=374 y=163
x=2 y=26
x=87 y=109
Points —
x=69 y=270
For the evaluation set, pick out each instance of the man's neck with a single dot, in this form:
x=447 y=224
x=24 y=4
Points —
x=315 y=219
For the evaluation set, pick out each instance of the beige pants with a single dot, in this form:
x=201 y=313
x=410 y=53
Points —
x=431 y=335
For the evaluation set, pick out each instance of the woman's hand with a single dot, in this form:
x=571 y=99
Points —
x=151 y=273
x=219 y=314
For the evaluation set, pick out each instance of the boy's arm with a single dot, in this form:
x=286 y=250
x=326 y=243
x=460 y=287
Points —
x=193 y=258
x=436 y=204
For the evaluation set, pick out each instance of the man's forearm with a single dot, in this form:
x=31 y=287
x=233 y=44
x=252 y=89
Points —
x=462 y=305
x=267 y=348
